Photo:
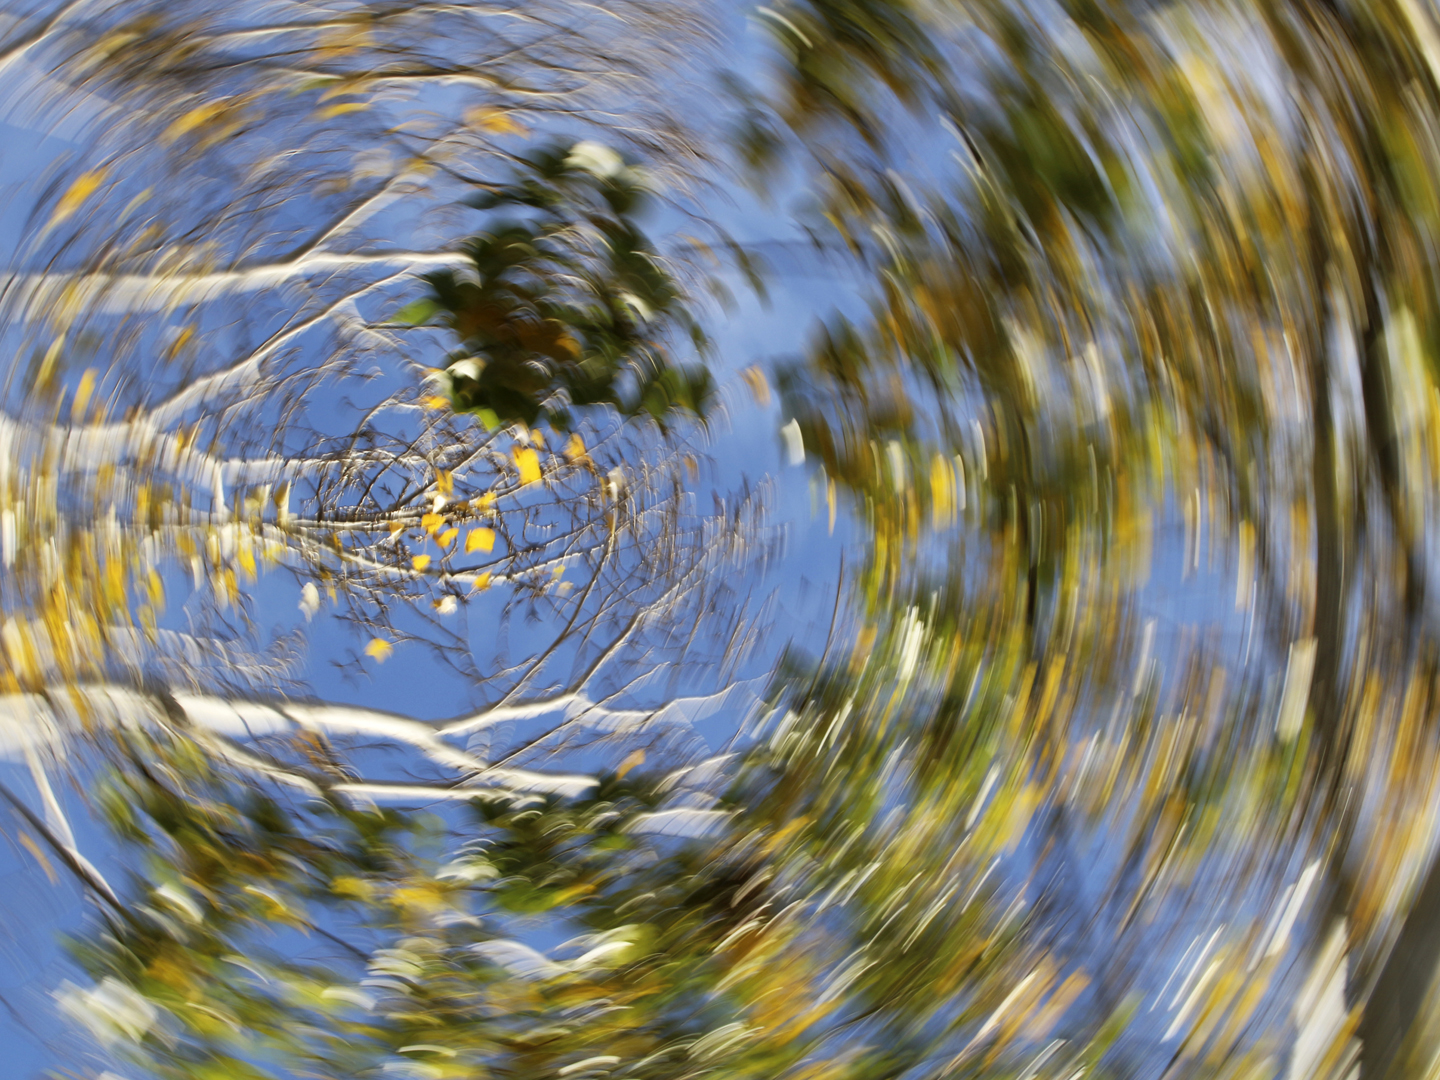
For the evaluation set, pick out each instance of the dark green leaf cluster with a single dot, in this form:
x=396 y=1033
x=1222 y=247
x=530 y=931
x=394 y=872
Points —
x=565 y=302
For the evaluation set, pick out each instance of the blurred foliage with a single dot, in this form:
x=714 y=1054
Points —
x=1164 y=294
x=568 y=307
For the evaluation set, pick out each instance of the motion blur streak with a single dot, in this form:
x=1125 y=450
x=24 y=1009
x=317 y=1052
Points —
x=662 y=539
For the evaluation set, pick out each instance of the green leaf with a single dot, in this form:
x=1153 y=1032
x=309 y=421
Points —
x=417 y=313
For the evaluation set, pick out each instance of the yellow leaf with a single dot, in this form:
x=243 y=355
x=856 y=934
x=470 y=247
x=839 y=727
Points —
x=34 y=849
x=528 y=462
x=396 y=528
x=332 y=111
x=759 y=386
x=537 y=437
x=420 y=562
x=352 y=886
x=84 y=186
x=942 y=487
x=193 y=119
x=633 y=760
x=420 y=897
x=445 y=482
x=341 y=88
x=82 y=395
x=480 y=540
x=575 y=448
x=446 y=538
x=431 y=522
x=380 y=649
x=495 y=121
x=434 y=402
x=345 y=40
x=482 y=582
x=485 y=503
x=181 y=340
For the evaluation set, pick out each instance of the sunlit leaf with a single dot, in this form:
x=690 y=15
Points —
x=495 y=121
x=341 y=109
x=82 y=395
x=758 y=384
x=416 y=313
x=76 y=195
x=194 y=118
x=528 y=462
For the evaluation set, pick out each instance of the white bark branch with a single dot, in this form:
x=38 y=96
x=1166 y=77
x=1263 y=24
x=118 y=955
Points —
x=123 y=294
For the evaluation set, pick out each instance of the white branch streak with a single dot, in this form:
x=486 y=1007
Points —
x=59 y=825
x=121 y=294
x=240 y=374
